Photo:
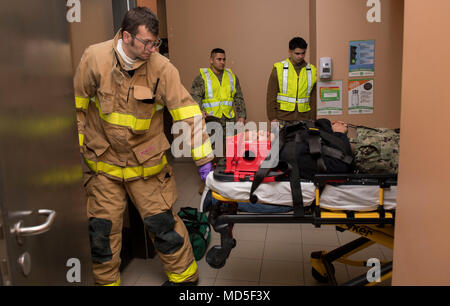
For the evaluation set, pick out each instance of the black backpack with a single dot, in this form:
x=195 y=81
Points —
x=317 y=149
x=306 y=149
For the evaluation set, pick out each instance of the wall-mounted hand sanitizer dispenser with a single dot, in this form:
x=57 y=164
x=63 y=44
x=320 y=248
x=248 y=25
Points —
x=325 y=69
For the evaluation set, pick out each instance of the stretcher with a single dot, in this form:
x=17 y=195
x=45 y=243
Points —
x=360 y=203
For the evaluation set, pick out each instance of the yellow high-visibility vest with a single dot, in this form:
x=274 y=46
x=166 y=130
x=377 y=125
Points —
x=295 y=90
x=218 y=100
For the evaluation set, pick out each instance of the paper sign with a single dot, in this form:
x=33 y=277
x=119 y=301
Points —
x=360 y=96
x=362 y=58
x=329 y=100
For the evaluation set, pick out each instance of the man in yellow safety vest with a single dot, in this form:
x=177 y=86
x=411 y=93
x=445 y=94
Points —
x=291 y=89
x=218 y=92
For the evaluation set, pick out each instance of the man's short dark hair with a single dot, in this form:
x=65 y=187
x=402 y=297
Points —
x=297 y=42
x=216 y=50
x=140 y=16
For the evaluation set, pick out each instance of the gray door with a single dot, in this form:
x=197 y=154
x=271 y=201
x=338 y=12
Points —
x=43 y=224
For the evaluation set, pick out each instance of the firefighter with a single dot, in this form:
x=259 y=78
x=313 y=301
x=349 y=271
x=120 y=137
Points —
x=291 y=89
x=121 y=88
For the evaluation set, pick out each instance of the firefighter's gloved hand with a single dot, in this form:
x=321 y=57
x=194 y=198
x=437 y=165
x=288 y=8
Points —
x=205 y=170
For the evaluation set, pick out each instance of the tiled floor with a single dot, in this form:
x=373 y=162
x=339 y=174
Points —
x=265 y=254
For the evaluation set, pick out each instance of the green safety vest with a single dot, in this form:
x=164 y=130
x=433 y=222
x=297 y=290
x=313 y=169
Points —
x=295 y=89
x=218 y=100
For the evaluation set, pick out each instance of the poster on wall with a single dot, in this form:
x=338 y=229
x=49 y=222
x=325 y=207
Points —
x=360 y=96
x=362 y=58
x=329 y=98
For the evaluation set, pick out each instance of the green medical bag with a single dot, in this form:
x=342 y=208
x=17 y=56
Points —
x=199 y=230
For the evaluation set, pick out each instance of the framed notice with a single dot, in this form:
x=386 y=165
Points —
x=360 y=96
x=362 y=58
x=329 y=98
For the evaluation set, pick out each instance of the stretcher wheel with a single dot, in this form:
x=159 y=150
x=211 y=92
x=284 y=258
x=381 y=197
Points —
x=319 y=277
x=217 y=256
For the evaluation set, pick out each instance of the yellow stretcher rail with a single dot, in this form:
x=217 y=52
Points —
x=365 y=224
x=323 y=214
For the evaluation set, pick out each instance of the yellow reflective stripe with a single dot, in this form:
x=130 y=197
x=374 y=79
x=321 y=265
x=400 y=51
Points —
x=185 y=112
x=82 y=103
x=109 y=169
x=178 y=278
x=201 y=151
x=124 y=119
x=132 y=172
x=81 y=139
x=116 y=283
x=127 y=172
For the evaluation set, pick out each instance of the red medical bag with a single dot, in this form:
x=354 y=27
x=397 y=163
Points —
x=244 y=154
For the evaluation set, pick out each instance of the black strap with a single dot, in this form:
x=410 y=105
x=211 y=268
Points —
x=336 y=141
x=191 y=216
x=315 y=147
x=187 y=211
x=263 y=172
x=294 y=180
x=335 y=153
x=257 y=180
x=293 y=169
x=196 y=231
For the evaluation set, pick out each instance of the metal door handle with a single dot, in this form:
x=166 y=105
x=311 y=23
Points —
x=35 y=230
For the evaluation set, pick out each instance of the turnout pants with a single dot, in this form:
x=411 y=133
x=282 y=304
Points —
x=153 y=198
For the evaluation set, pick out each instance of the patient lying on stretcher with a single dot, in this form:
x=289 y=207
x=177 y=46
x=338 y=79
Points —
x=309 y=166
x=366 y=153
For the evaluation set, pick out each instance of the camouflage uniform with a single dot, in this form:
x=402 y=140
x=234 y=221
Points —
x=376 y=150
x=198 y=93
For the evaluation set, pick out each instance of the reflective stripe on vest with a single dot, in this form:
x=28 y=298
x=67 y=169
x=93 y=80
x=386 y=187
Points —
x=125 y=173
x=310 y=81
x=208 y=83
x=295 y=91
x=178 y=278
x=219 y=96
x=231 y=78
x=285 y=76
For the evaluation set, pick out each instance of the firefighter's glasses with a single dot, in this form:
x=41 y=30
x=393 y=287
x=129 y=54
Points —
x=151 y=43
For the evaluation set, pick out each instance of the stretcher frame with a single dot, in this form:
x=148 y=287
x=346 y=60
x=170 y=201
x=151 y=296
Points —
x=373 y=226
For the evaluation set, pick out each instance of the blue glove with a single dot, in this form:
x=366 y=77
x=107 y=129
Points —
x=204 y=170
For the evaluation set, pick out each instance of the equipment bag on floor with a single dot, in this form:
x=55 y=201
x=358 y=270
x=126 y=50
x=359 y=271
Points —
x=199 y=229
